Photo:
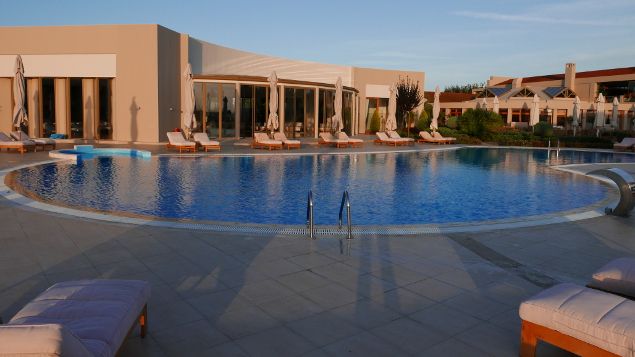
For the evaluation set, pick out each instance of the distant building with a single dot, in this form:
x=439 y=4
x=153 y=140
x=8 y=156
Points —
x=556 y=93
x=124 y=83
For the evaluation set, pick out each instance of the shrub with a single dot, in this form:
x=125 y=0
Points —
x=423 y=123
x=460 y=137
x=375 y=123
x=480 y=123
x=543 y=129
x=452 y=122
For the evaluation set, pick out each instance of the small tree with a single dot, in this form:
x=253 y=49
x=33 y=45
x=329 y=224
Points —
x=465 y=88
x=375 y=123
x=423 y=123
x=479 y=122
x=408 y=98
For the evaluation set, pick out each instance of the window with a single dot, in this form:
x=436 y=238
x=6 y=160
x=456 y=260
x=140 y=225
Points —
x=525 y=92
x=561 y=117
x=623 y=90
x=381 y=106
x=456 y=112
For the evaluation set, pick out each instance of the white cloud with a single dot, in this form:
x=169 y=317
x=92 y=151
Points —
x=534 y=19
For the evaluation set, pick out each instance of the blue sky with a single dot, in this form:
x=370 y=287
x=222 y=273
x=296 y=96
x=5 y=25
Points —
x=454 y=42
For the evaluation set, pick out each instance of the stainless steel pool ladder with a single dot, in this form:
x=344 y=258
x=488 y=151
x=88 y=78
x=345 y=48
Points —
x=309 y=213
x=346 y=201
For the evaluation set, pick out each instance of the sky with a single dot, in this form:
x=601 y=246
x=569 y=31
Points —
x=453 y=42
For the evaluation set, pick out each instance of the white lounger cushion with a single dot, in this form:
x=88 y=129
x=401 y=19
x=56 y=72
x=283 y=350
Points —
x=617 y=276
x=601 y=319
x=99 y=312
x=40 y=340
x=177 y=139
x=203 y=139
x=281 y=137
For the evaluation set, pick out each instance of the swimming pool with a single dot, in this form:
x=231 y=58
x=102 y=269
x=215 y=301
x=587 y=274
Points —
x=463 y=185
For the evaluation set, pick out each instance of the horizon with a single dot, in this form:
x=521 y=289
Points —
x=497 y=38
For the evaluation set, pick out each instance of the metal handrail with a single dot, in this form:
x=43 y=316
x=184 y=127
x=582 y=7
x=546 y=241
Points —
x=347 y=201
x=309 y=213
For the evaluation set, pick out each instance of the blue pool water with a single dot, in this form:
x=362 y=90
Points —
x=468 y=184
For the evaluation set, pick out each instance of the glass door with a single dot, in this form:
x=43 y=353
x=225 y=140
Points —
x=211 y=110
x=246 y=110
x=261 y=108
x=76 y=108
x=48 y=107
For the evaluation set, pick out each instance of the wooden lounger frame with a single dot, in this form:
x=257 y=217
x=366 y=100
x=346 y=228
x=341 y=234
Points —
x=530 y=333
x=186 y=148
x=338 y=144
x=20 y=148
x=292 y=145
x=142 y=320
x=210 y=147
x=258 y=145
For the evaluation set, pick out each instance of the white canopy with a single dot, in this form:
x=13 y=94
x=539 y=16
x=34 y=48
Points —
x=576 y=112
x=272 y=120
x=391 y=121
x=599 y=110
x=496 y=104
x=19 y=112
x=615 y=113
x=534 y=115
x=436 y=108
x=483 y=103
x=337 y=123
x=188 y=121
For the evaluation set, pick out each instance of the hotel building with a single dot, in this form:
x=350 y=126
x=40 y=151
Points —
x=123 y=83
x=556 y=93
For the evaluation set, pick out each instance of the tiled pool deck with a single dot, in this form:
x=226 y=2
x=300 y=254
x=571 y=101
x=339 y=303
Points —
x=240 y=295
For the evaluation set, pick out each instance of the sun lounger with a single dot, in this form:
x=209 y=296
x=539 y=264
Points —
x=21 y=146
x=203 y=140
x=351 y=142
x=42 y=142
x=427 y=138
x=581 y=320
x=625 y=144
x=290 y=144
x=328 y=139
x=177 y=141
x=382 y=138
x=617 y=277
x=262 y=141
x=395 y=135
x=448 y=139
x=77 y=318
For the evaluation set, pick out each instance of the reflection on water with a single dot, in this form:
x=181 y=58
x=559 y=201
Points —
x=391 y=188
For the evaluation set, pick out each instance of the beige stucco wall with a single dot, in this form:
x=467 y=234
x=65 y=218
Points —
x=210 y=59
x=169 y=67
x=6 y=107
x=135 y=97
x=370 y=76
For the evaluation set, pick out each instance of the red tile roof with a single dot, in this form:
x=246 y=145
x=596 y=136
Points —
x=449 y=97
x=586 y=74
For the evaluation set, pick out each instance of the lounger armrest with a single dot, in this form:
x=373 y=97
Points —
x=40 y=340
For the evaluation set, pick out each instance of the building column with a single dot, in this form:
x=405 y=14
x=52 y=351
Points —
x=281 y=108
x=509 y=116
x=317 y=113
x=61 y=106
x=33 y=102
x=88 y=100
x=237 y=110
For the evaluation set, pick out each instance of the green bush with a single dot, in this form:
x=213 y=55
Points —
x=452 y=122
x=375 y=123
x=480 y=123
x=461 y=138
x=423 y=123
x=543 y=129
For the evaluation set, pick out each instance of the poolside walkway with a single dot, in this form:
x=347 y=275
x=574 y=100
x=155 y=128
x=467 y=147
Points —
x=240 y=295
